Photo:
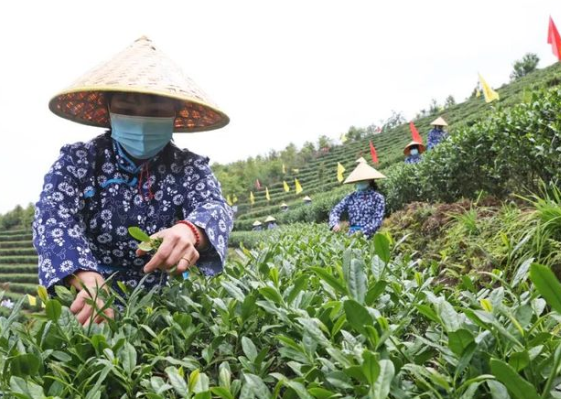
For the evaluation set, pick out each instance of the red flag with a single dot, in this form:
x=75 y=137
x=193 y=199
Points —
x=554 y=39
x=373 y=153
x=257 y=184
x=415 y=133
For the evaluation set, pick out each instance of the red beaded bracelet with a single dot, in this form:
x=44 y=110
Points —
x=193 y=229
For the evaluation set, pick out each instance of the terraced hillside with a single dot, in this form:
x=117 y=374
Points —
x=18 y=265
x=318 y=177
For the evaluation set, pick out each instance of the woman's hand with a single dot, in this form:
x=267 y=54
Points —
x=88 y=283
x=337 y=228
x=177 y=248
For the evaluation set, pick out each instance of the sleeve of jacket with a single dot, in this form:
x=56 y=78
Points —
x=337 y=211
x=58 y=226
x=206 y=208
x=379 y=209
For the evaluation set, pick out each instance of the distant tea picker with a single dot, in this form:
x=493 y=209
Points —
x=365 y=206
x=437 y=133
x=132 y=175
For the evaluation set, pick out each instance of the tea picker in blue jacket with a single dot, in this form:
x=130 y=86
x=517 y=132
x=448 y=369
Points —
x=413 y=152
x=271 y=223
x=365 y=206
x=437 y=133
x=132 y=175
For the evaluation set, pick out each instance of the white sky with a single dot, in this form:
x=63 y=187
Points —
x=284 y=71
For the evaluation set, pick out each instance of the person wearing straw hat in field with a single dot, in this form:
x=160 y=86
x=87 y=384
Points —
x=307 y=200
x=284 y=207
x=271 y=223
x=413 y=152
x=365 y=206
x=257 y=226
x=132 y=175
x=437 y=133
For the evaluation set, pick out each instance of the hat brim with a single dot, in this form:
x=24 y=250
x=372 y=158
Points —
x=89 y=106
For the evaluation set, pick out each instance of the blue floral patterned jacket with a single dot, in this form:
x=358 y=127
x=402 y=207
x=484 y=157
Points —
x=435 y=137
x=364 y=208
x=93 y=193
x=413 y=158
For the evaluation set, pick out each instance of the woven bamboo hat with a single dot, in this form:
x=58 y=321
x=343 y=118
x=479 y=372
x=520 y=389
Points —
x=140 y=68
x=361 y=160
x=363 y=172
x=306 y=199
x=439 y=122
x=284 y=205
x=256 y=223
x=270 y=219
x=407 y=149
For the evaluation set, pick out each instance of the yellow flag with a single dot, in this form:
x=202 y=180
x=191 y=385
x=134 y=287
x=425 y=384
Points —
x=286 y=188
x=267 y=194
x=251 y=198
x=234 y=198
x=298 y=186
x=229 y=200
x=283 y=169
x=340 y=170
x=343 y=138
x=32 y=300
x=490 y=94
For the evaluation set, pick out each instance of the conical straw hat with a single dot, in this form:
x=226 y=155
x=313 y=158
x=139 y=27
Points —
x=439 y=122
x=363 y=172
x=270 y=219
x=306 y=198
x=283 y=204
x=407 y=149
x=361 y=159
x=256 y=223
x=140 y=68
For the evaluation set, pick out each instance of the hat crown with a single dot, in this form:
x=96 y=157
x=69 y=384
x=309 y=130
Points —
x=363 y=172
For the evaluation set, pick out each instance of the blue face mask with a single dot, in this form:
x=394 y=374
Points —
x=414 y=151
x=141 y=136
x=362 y=185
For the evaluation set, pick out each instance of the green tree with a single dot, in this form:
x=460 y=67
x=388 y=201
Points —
x=324 y=142
x=449 y=102
x=526 y=65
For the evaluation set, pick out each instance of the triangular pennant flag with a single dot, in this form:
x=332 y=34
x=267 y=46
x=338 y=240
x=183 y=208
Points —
x=488 y=93
x=229 y=200
x=251 y=198
x=234 y=198
x=285 y=185
x=343 y=138
x=32 y=300
x=340 y=170
x=554 y=39
x=283 y=169
x=267 y=194
x=415 y=133
x=257 y=184
x=373 y=153
x=298 y=186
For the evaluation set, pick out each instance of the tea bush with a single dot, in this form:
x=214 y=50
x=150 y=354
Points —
x=309 y=315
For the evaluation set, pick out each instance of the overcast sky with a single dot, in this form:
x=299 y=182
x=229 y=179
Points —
x=284 y=71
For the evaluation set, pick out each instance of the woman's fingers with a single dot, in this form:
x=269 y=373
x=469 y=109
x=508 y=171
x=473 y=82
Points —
x=84 y=311
x=78 y=304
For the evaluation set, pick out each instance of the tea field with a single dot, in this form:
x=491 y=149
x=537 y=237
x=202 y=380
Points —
x=304 y=314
